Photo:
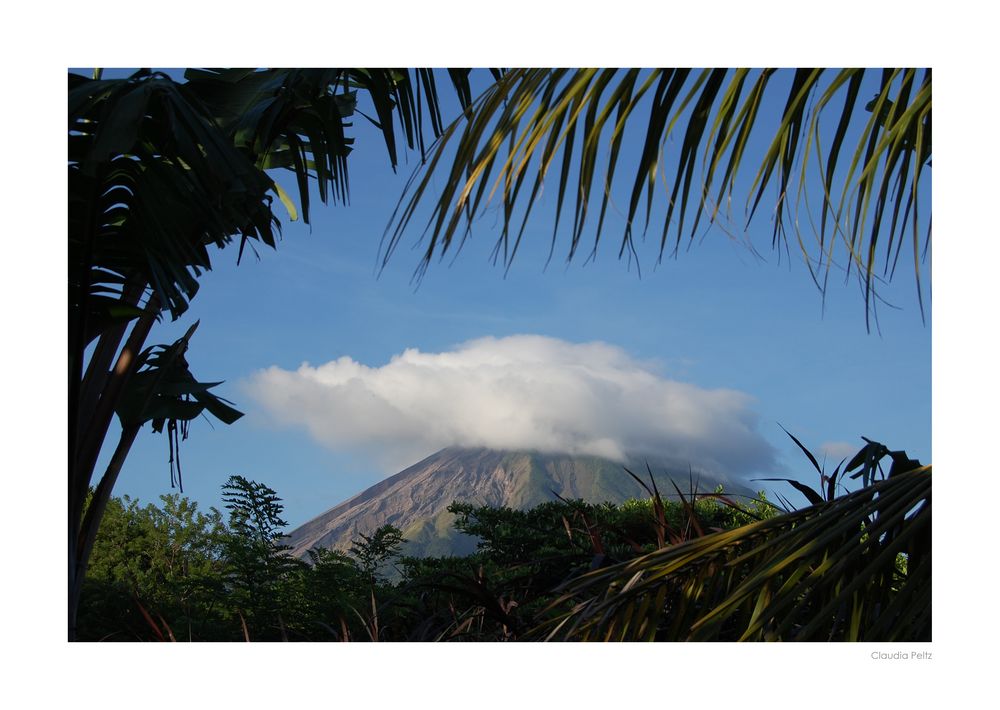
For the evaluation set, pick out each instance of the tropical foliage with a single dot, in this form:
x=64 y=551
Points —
x=176 y=574
x=532 y=120
x=869 y=175
x=703 y=567
x=857 y=569
x=159 y=171
x=155 y=572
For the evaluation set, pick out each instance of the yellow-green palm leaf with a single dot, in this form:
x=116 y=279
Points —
x=857 y=568
x=702 y=133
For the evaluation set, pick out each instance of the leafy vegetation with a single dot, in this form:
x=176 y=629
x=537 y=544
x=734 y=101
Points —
x=159 y=171
x=156 y=572
x=703 y=567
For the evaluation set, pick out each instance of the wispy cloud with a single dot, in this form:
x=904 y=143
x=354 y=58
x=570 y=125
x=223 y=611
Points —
x=517 y=392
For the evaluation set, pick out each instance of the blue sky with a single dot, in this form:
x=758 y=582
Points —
x=716 y=316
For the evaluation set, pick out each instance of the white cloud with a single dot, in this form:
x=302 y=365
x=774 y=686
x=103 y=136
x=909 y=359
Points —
x=517 y=392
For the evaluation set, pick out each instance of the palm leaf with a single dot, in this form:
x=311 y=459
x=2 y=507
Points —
x=531 y=116
x=830 y=571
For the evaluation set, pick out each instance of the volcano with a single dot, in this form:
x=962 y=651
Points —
x=416 y=499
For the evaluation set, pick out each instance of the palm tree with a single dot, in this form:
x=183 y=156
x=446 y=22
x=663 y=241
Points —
x=159 y=170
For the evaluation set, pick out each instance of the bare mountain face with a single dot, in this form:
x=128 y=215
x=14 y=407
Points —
x=416 y=499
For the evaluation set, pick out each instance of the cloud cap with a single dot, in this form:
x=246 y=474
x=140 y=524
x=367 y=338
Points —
x=517 y=392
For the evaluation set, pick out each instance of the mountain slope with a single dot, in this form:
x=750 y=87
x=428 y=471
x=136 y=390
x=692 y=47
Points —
x=416 y=499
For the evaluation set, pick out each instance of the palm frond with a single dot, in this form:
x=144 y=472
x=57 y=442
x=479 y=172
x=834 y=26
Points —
x=161 y=169
x=857 y=568
x=510 y=137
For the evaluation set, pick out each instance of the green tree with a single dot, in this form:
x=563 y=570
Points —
x=373 y=554
x=155 y=571
x=336 y=588
x=374 y=551
x=260 y=571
